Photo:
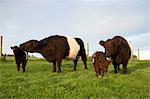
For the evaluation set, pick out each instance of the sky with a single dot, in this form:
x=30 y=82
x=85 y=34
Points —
x=90 y=20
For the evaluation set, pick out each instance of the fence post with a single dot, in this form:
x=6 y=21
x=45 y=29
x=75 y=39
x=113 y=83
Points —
x=87 y=50
x=138 y=54
x=1 y=42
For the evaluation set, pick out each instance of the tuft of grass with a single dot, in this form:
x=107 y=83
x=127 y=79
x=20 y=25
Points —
x=40 y=82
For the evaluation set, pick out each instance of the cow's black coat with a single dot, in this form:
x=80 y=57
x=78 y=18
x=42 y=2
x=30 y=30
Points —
x=20 y=57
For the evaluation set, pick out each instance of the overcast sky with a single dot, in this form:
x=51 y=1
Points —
x=91 y=20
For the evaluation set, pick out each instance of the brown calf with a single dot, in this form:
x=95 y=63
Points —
x=100 y=63
x=20 y=57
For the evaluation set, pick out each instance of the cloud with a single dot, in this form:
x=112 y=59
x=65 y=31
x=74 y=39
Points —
x=144 y=55
x=140 y=41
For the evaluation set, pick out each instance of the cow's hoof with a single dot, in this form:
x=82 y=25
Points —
x=125 y=72
x=58 y=71
x=115 y=72
x=74 y=69
x=85 y=68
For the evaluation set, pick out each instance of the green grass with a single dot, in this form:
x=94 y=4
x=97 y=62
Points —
x=39 y=82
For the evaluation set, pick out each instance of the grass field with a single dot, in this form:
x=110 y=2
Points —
x=39 y=82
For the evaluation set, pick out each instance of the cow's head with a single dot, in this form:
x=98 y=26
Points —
x=15 y=48
x=110 y=48
x=29 y=46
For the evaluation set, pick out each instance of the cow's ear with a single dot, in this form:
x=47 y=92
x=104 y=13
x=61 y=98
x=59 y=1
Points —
x=101 y=42
x=12 y=47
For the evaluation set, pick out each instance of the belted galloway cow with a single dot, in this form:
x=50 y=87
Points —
x=55 y=48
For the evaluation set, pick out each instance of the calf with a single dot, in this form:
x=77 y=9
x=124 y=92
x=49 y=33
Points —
x=100 y=63
x=20 y=57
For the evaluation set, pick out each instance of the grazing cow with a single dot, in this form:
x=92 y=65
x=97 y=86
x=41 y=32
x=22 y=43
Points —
x=100 y=63
x=20 y=57
x=55 y=48
x=118 y=49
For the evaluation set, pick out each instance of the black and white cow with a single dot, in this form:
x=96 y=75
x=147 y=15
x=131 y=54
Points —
x=55 y=48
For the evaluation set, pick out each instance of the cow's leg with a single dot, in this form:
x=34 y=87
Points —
x=118 y=67
x=24 y=65
x=106 y=71
x=103 y=73
x=115 y=67
x=125 y=68
x=75 y=63
x=58 y=65
x=54 y=65
x=96 y=74
x=97 y=70
x=18 y=66
x=83 y=57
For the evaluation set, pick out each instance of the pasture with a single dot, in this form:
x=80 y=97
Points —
x=40 y=82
